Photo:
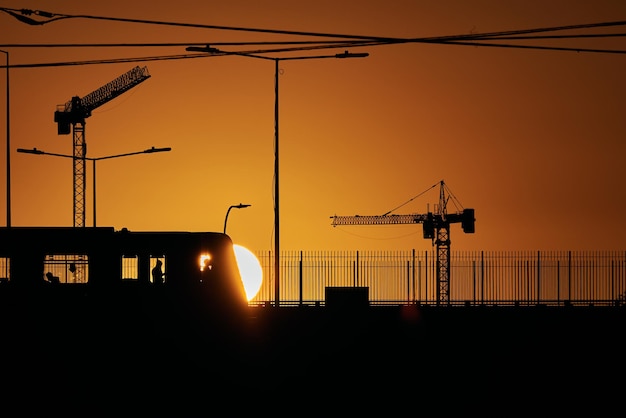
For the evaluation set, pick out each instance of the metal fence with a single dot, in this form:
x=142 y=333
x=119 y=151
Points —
x=475 y=277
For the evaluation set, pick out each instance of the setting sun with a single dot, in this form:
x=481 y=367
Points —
x=250 y=270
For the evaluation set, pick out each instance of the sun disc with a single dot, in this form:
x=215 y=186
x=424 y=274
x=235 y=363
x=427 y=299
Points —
x=250 y=270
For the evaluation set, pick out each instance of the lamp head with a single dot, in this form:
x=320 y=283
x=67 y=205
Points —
x=153 y=149
x=30 y=151
x=208 y=49
x=347 y=54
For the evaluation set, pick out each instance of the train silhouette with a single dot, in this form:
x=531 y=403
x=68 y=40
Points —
x=104 y=261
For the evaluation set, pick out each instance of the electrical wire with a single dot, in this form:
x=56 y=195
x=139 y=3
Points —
x=164 y=44
x=105 y=61
x=250 y=43
x=22 y=15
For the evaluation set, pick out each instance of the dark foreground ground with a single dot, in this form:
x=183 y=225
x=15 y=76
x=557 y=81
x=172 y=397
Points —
x=169 y=356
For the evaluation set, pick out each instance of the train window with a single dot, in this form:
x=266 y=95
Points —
x=69 y=268
x=157 y=269
x=130 y=267
x=5 y=268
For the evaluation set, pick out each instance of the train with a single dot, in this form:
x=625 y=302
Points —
x=104 y=261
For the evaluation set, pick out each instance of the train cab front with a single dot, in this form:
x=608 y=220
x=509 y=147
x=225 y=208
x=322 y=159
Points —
x=203 y=270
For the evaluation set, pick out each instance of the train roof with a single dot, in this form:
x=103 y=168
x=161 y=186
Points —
x=86 y=239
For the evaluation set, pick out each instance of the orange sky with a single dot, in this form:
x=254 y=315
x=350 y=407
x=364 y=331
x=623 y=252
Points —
x=533 y=140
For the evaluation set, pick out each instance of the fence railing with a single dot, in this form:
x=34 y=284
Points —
x=475 y=277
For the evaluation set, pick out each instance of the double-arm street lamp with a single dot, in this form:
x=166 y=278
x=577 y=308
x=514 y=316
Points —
x=146 y=151
x=346 y=54
x=239 y=206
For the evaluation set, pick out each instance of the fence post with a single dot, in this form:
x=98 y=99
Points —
x=408 y=282
x=482 y=278
x=538 y=277
x=356 y=270
x=612 y=284
x=528 y=293
x=426 y=275
x=474 y=282
x=558 y=282
x=413 y=269
x=569 y=275
x=300 y=277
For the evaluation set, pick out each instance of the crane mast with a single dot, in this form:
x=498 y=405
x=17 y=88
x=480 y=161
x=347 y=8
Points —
x=70 y=117
x=435 y=225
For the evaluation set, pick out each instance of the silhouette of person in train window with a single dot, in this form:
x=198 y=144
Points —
x=157 y=273
x=52 y=278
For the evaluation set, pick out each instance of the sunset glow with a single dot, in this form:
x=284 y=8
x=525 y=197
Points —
x=519 y=134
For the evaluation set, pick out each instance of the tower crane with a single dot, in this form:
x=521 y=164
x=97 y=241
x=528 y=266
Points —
x=436 y=226
x=70 y=117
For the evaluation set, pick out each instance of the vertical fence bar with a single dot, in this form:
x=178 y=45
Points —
x=356 y=271
x=419 y=281
x=538 y=279
x=426 y=276
x=301 y=281
x=408 y=282
x=474 y=282
x=413 y=272
x=612 y=282
x=558 y=282
x=482 y=277
x=569 y=276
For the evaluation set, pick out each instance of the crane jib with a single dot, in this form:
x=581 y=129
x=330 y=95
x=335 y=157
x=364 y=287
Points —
x=77 y=109
x=116 y=87
x=379 y=219
x=109 y=91
x=430 y=220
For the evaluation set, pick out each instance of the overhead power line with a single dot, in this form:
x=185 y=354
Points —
x=165 y=44
x=106 y=61
x=36 y=17
x=24 y=16
x=192 y=56
x=309 y=43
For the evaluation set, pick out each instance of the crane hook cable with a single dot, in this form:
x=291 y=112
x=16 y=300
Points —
x=414 y=197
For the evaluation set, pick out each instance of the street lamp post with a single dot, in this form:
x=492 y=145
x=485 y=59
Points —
x=93 y=160
x=239 y=206
x=8 y=144
x=346 y=54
